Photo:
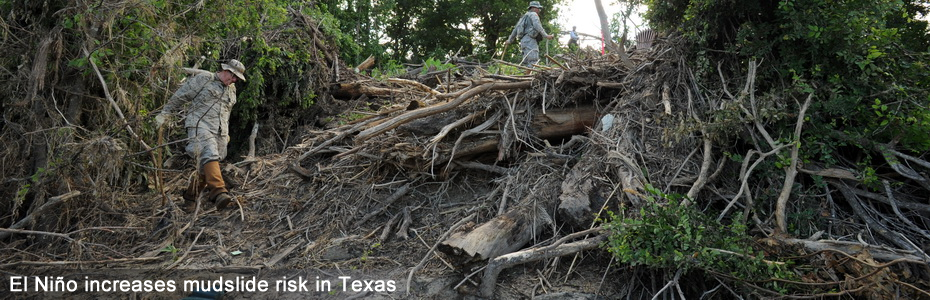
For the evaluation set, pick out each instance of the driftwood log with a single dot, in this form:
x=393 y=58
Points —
x=508 y=232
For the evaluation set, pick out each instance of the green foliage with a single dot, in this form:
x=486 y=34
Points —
x=389 y=69
x=432 y=64
x=664 y=234
x=410 y=30
x=861 y=59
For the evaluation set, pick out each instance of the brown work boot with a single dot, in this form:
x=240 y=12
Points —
x=222 y=200
x=215 y=185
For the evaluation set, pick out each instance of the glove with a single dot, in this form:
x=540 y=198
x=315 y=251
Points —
x=160 y=119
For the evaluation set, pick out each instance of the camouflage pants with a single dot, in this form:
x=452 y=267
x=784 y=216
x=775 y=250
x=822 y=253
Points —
x=530 y=51
x=205 y=146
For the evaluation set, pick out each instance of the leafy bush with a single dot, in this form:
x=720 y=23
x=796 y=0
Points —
x=864 y=61
x=666 y=235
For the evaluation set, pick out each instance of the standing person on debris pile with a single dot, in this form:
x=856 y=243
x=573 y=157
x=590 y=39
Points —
x=212 y=96
x=529 y=32
x=573 y=38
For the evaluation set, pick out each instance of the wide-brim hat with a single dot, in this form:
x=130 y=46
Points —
x=535 y=4
x=235 y=67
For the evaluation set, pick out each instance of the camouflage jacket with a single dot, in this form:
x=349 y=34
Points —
x=528 y=25
x=210 y=103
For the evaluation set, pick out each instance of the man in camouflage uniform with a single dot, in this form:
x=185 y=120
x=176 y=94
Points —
x=211 y=97
x=529 y=31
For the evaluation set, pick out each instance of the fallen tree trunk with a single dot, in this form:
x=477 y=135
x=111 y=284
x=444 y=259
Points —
x=508 y=232
x=556 y=123
x=501 y=235
x=359 y=88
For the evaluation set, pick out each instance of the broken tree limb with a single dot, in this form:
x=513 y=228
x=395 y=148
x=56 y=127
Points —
x=338 y=137
x=835 y=172
x=883 y=231
x=853 y=248
x=432 y=110
x=368 y=63
x=415 y=84
x=489 y=281
x=386 y=231
x=106 y=92
x=702 y=175
x=480 y=166
x=897 y=211
x=516 y=66
x=252 y=137
x=359 y=88
x=899 y=202
x=792 y=169
x=400 y=192
x=902 y=169
x=405 y=225
x=610 y=85
x=51 y=203
x=449 y=127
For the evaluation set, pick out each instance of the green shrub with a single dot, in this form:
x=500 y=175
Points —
x=666 y=235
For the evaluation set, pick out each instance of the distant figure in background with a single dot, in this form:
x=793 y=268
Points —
x=211 y=97
x=573 y=38
x=529 y=32
x=644 y=39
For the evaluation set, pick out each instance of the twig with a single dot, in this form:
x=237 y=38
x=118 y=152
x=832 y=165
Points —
x=428 y=111
x=862 y=214
x=339 y=136
x=430 y=252
x=183 y=256
x=516 y=66
x=556 y=62
x=22 y=231
x=745 y=176
x=418 y=85
x=76 y=262
x=106 y=92
x=281 y=255
x=387 y=202
x=496 y=265
x=449 y=127
x=51 y=202
x=667 y=285
x=405 y=225
x=927 y=294
x=456 y=287
x=386 y=231
x=792 y=170
x=894 y=206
